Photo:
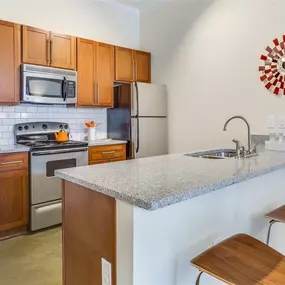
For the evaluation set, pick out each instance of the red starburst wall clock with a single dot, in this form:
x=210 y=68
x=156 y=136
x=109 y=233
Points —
x=273 y=68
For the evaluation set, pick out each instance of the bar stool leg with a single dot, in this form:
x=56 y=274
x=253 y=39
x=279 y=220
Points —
x=198 y=278
x=271 y=223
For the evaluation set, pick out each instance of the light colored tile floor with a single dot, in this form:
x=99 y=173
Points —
x=31 y=259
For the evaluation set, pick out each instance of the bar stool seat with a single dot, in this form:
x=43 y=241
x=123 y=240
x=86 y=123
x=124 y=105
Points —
x=242 y=260
x=275 y=216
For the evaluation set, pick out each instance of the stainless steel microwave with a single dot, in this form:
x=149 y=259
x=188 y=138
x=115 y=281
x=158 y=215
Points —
x=47 y=85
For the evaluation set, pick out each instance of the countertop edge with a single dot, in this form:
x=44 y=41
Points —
x=6 y=149
x=106 y=142
x=171 y=200
x=109 y=192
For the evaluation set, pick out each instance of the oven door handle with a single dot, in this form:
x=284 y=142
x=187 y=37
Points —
x=50 y=152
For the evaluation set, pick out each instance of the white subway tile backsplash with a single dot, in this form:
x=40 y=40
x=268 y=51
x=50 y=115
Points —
x=75 y=117
x=32 y=109
x=4 y=115
x=14 y=115
x=43 y=109
x=8 y=122
x=7 y=135
x=8 y=109
x=20 y=109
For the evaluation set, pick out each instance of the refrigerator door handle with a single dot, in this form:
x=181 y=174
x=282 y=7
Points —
x=137 y=98
x=138 y=135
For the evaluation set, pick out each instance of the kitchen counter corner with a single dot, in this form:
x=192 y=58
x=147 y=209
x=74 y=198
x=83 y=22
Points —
x=4 y=149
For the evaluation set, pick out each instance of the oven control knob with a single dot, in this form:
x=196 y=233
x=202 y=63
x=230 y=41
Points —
x=26 y=128
x=66 y=127
x=20 y=128
x=61 y=127
x=44 y=126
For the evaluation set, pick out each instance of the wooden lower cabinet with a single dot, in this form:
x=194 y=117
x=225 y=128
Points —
x=108 y=153
x=13 y=193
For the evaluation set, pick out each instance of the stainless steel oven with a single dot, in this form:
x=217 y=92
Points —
x=48 y=85
x=46 y=188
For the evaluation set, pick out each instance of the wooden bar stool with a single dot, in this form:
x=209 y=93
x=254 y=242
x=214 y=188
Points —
x=242 y=260
x=275 y=216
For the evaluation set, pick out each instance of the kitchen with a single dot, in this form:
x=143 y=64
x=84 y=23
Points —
x=168 y=60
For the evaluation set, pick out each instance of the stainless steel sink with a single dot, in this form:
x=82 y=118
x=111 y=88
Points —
x=215 y=154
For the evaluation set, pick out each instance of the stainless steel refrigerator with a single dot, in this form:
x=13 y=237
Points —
x=140 y=117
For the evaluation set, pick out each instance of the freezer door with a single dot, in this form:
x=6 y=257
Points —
x=151 y=137
x=149 y=100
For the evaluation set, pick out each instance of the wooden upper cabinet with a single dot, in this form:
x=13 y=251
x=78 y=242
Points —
x=86 y=52
x=47 y=48
x=124 y=64
x=36 y=48
x=104 y=75
x=9 y=63
x=62 y=51
x=143 y=66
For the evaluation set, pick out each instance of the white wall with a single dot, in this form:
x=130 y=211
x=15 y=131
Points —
x=207 y=52
x=99 y=20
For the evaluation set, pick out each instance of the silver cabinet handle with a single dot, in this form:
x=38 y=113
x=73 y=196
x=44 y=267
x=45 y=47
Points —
x=108 y=152
x=11 y=162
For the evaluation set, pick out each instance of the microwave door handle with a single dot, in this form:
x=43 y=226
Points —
x=65 y=89
x=62 y=89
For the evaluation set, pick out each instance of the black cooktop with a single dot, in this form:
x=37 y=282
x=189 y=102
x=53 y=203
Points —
x=47 y=145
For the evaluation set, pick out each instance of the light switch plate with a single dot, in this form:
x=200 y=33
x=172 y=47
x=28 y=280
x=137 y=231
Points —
x=281 y=123
x=106 y=272
x=271 y=122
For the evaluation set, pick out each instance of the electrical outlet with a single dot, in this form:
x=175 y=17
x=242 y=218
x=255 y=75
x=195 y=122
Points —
x=281 y=123
x=271 y=122
x=106 y=272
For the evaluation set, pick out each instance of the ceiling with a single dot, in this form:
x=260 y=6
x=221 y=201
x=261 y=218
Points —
x=140 y=4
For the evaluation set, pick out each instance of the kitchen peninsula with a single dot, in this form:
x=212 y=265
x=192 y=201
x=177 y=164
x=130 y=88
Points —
x=149 y=217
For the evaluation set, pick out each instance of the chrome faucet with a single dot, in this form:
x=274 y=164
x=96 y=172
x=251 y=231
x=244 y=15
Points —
x=241 y=152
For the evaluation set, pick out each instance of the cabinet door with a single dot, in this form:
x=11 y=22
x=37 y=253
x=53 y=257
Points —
x=62 y=50
x=13 y=199
x=86 y=52
x=104 y=75
x=124 y=64
x=9 y=62
x=35 y=46
x=143 y=66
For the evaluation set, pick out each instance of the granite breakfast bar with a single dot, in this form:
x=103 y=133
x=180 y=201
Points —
x=148 y=218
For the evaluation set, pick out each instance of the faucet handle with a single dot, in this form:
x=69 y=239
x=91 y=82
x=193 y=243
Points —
x=255 y=150
x=237 y=142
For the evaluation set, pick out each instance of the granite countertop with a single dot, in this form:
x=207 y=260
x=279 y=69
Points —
x=101 y=142
x=156 y=182
x=13 y=148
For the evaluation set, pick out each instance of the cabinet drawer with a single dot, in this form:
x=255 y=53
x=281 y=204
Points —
x=107 y=152
x=13 y=161
x=100 y=161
